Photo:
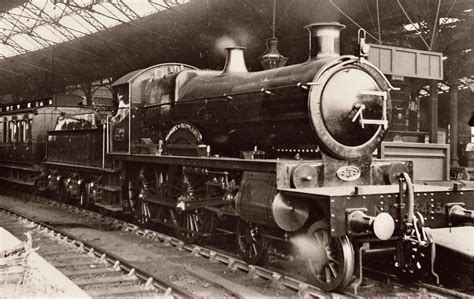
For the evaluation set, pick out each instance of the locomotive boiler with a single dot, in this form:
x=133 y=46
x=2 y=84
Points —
x=285 y=109
x=285 y=153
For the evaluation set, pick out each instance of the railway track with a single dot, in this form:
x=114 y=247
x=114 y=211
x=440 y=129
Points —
x=277 y=279
x=98 y=272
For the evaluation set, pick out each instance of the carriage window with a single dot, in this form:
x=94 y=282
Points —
x=2 y=133
x=12 y=131
x=27 y=133
x=21 y=131
x=5 y=132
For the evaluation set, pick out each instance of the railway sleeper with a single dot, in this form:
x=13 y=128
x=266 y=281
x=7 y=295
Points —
x=84 y=272
x=125 y=291
x=105 y=282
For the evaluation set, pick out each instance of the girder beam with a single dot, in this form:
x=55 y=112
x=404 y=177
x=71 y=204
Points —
x=29 y=31
x=125 y=10
x=60 y=28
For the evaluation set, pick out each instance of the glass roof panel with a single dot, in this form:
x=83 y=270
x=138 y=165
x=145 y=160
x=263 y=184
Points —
x=40 y=23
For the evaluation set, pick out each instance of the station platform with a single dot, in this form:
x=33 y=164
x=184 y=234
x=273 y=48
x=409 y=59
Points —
x=458 y=240
x=25 y=274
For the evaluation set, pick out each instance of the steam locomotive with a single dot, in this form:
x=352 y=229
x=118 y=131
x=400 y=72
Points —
x=285 y=155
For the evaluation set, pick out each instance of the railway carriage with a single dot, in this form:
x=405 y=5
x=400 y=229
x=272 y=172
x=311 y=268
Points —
x=23 y=130
x=278 y=156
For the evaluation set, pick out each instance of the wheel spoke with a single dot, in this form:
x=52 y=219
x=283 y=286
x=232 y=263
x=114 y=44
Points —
x=320 y=239
x=249 y=250
x=333 y=269
x=196 y=221
x=328 y=275
x=189 y=218
x=326 y=238
x=254 y=247
x=334 y=261
x=187 y=225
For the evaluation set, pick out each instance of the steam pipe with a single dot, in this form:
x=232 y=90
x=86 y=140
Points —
x=411 y=197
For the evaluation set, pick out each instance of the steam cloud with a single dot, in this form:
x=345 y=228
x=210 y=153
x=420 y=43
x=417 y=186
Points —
x=224 y=42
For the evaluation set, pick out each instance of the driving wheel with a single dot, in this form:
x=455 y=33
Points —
x=191 y=225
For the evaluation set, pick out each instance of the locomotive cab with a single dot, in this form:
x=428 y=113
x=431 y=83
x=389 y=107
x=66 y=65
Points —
x=143 y=95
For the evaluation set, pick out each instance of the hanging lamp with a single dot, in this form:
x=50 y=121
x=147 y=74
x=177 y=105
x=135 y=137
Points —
x=272 y=58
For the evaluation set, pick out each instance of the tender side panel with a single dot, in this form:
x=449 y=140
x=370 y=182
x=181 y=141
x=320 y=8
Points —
x=79 y=147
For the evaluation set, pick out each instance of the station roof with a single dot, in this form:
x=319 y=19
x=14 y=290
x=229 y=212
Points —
x=50 y=44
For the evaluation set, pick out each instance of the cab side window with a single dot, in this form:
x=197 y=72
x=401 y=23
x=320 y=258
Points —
x=157 y=91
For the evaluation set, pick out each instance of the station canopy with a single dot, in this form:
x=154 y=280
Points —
x=32 y=25
x=47 y=45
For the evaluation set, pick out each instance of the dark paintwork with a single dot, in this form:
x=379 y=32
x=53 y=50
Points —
x=80 y=147
x=269 y=109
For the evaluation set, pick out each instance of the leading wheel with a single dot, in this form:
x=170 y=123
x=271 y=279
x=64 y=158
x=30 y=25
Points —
x=253 y=246
x=330 y=260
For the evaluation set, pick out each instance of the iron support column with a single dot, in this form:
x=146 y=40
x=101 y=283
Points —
x=433 y=111
x=453 y=122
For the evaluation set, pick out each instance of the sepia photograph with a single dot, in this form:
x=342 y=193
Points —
x=236 y=148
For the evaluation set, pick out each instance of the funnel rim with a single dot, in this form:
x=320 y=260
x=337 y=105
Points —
x=235 y=47
x=321 y=24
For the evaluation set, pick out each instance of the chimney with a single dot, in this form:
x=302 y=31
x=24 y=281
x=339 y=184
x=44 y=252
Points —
x=235 y=62
x=324 y=39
